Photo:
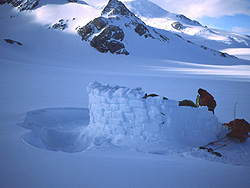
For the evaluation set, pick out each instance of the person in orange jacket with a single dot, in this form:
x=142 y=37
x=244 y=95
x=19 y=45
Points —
x=206 y=99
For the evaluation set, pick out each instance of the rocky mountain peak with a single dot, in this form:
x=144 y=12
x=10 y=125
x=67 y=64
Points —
x=108 y=32
x=184 y=18
x=115 y=7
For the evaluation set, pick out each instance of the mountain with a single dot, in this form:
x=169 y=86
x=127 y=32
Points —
x=151 y=16
x=147 y=9
x=108 y=33
x=118 y=27
x=192 y=30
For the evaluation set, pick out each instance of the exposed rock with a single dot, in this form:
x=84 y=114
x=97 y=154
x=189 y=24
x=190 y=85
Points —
x=21 y=4
x=24 y=4
x=61 y=24
x=182 y=17
x=177 y=25
x=2 y=2
x=223 y=54
x=204 y=47
x=15 y=3
x=141 y=29
x=109 y=40
x=216 y=52
x=88 y=30
x=10 y=41
x=100 y=23
x=106 y=33
x=115 y=7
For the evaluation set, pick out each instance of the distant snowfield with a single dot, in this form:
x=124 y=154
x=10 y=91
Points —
x=50 y=72
x=243 y=53
x=234 y=72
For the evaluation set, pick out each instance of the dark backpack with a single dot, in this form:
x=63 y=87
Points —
x=239 y=129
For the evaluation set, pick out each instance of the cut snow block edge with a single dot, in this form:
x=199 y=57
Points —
x=117 y=114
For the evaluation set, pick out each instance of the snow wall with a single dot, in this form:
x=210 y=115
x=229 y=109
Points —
x=124 y=111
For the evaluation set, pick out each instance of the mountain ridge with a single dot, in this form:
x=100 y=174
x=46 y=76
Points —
x=118 y=30
x=106 y=33
x=189 y=29
x=155 y=16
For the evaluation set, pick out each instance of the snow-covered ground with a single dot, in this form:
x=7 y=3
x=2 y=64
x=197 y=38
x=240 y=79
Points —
x=47 y=76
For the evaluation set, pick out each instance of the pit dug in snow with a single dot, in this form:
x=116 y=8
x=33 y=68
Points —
x=57 y=129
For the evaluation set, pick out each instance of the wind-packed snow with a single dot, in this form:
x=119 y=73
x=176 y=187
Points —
x=43 y=88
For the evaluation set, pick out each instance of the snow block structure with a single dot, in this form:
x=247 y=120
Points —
x=119 y=116
x=124 y=111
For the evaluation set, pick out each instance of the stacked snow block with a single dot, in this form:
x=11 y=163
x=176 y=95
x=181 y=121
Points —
x=121 y=110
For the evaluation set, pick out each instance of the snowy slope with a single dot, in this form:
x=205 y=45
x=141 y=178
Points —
x=192 y=30
x=48 y=75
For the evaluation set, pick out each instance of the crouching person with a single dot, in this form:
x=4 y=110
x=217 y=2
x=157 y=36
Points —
x=206 y=99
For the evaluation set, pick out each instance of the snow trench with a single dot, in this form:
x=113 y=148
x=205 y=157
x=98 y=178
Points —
x=119 y=116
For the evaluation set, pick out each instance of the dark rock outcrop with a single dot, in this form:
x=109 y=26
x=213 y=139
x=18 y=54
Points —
x=141 y=29
x=10 y=41
x=177 y=25
x=95 y=25
x=22 y=4
x=106 y=33
x=110 y=40
x=2 y=2
x=100 y=23
x=182 y=17
x=115 y=7
x=61 y=24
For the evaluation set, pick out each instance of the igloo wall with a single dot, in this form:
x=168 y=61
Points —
x=124 y=111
